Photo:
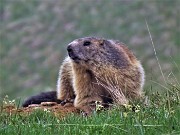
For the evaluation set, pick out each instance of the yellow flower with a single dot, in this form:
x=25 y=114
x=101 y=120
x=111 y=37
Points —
x=98 y=106
x=125 y=114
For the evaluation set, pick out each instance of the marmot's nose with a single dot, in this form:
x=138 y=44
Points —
x=69 y=48
x=70 y=52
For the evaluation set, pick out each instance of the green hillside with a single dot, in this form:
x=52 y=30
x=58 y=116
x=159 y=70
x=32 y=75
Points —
x=34 y=35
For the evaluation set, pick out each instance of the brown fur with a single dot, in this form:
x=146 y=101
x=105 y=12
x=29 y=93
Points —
x=99 y=70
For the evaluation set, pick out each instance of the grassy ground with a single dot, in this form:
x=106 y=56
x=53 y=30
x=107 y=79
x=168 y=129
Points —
x=159 y=114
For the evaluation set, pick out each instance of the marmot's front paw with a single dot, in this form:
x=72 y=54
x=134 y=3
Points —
x=64 y=102
x=87 y=110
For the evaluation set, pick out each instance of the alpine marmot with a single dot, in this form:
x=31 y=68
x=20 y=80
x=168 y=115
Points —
x=96 y=69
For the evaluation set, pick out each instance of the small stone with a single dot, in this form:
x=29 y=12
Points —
x=48 y=103
x=68 y=104
x=34 y=105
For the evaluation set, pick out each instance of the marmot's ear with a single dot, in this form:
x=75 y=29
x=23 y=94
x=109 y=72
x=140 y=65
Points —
x=106 y=42
x=102 y=41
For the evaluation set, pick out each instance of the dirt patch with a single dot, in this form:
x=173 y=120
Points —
x=57 y=109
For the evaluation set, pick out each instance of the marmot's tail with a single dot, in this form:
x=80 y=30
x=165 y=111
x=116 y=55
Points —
x=42 y=97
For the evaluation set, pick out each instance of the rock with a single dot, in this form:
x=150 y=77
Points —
x=48 y=103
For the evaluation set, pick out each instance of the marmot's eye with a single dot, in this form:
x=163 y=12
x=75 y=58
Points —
x=86 y=43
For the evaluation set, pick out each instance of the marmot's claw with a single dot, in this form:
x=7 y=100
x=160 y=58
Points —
x=63 y=103
x=66 y=101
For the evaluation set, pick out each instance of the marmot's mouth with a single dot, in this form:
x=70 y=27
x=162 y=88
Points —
x=74 y=58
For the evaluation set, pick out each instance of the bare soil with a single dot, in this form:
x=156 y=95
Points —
x=57 y=109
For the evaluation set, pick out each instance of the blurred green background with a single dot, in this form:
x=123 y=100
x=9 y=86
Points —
x=34 y=35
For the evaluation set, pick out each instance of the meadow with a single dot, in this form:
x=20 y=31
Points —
x=158 y=114
x=33 y=39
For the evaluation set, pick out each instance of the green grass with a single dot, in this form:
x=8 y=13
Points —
x=160 y=116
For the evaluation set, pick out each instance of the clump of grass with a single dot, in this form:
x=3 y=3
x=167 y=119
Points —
x=7 y=102
x=172 y=90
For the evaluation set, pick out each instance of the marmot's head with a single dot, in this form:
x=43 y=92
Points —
x=91 y=51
